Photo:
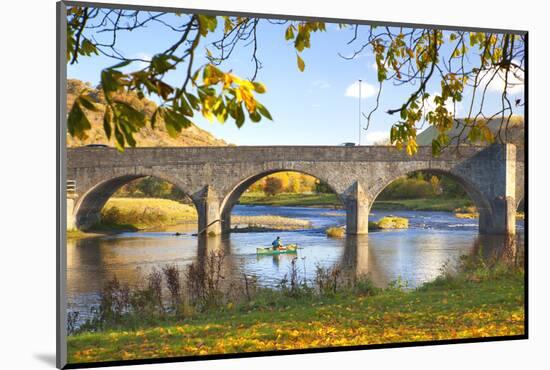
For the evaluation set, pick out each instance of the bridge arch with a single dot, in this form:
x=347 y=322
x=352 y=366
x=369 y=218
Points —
x=213 y=176
x=87 y=210
x=238 y=188
x=482 y=204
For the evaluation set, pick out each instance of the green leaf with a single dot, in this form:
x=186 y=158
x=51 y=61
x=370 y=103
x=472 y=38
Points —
x=193 y=100
x=222 y=115
x=107 y=121
x=129 y=114
x=263 y=110
x=259 y=87
x=436 y=147
x=87 y=48
x=207 y=23
x=110 y=81
x=174 y=122
x=255 y=116
x=300 y=42
x=300 y=61
x=240 y=116
x=157 y=115
x=161 y=63
x=119 y=139
x=87 y=103
x=77 y=122
x=127 y=131
x=185 y=107
x=289 y=34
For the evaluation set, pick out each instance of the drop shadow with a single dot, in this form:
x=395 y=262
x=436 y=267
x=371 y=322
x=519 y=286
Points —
x=46 y=358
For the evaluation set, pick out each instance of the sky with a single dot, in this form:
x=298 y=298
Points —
x=319 y=106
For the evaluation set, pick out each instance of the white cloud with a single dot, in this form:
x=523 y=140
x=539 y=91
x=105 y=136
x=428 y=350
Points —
x=367 y=90
x=515 y=80
x=377 y=137
x=316 y=105
x=138 y=64
x=320 y=84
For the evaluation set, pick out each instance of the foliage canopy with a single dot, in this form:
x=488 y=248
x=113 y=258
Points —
x=408 y=57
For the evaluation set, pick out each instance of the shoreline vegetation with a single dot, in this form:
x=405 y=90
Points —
x=385 y=223
x=330 y=200
x=123 y=214
x=133 y=214
x=471 y=213
x=478 y=299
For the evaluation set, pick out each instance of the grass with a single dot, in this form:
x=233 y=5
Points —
x=143 y=213
x=291 y=199
x=448 y=308
x=77 y=234
x=471 y=213
x=123 y=214
x=331 y=200
x=421 y=204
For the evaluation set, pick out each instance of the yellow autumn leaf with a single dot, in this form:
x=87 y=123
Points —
x=301 y=64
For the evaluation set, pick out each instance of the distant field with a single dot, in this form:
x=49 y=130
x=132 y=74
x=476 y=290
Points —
x=429 y=204
x=291 y=199
x=331 y=200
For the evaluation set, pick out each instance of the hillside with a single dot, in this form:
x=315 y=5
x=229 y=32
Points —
x=192 y=136
x=515 y=132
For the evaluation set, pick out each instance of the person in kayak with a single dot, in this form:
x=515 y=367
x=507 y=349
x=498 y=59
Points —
x=277 y=245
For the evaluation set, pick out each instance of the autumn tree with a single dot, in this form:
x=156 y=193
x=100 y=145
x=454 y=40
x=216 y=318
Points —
x=273 y=186
x=462 y=63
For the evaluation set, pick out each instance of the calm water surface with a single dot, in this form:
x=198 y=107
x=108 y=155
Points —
x=415 y=255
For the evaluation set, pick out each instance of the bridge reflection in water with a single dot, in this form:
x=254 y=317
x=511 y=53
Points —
x=94 y=261
x=382 y=268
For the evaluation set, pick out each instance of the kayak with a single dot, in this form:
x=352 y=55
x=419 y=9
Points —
x=289 y=249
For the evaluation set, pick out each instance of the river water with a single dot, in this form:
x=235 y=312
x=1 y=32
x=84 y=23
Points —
x=415 y=255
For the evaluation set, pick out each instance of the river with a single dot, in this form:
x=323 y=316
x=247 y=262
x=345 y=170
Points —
x=415 y=255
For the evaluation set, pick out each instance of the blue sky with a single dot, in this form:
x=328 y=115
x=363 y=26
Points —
x=308 y=108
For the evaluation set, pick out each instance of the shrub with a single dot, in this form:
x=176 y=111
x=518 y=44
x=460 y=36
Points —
x=328 y=279
x=389 y=222
x=336 y=232
x=273 y=186
x=365 y=286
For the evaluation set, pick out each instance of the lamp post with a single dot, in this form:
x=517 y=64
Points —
x=359 y=143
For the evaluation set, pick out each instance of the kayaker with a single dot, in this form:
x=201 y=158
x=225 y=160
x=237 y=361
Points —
x=277 y=243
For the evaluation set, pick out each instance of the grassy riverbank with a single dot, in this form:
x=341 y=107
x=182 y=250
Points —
x=123 y=214
x=331 y=200
x=422 y=204
x=291 y=200
x=131 y=214
x=467 y=306
x=143 y=213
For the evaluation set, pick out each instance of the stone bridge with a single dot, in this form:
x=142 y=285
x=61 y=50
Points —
x=215 y=177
